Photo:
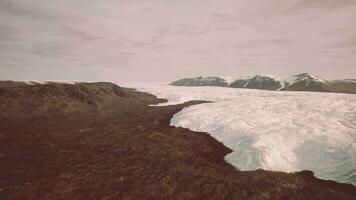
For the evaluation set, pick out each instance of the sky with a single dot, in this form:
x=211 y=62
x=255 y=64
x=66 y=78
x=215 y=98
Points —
x=164 y=40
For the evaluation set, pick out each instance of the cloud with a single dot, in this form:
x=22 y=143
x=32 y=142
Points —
x=330 y=4
x=143 y=39
x=81 y=34
x=25 y=11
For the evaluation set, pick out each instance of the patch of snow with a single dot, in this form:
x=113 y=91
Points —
x=47 y=82
x=245 y=85
x=349 y=80
x=228 y=79
x=316 y=78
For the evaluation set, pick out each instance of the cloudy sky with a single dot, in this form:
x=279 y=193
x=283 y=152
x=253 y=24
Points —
x=162 y=40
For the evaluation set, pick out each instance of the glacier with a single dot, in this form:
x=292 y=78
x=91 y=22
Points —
x=273 y=130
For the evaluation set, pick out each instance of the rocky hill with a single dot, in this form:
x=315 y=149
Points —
x=101 y=141
x=15 y=97
x=300 y=82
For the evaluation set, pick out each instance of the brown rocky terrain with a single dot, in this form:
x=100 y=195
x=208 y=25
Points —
x=100 y=141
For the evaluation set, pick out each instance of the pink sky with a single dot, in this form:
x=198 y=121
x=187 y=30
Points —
x=161 y=40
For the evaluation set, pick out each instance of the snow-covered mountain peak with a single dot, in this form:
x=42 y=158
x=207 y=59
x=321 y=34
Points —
x=300 y=82
x=306 y=76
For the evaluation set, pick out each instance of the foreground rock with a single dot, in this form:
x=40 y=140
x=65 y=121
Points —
x=100 y=141
x=300 y=82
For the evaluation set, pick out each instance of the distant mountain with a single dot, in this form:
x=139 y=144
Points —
x=300 y=82
x=201 y=81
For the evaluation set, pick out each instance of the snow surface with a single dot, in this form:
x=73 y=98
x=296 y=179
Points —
x=348 y=80
x=273 y=130
x=46 y=82
x=228 y=79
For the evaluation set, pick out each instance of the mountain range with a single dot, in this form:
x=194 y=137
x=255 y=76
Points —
x=300 y=82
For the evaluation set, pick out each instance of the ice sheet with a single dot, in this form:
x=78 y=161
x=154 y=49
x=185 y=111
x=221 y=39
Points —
x=273 y=130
